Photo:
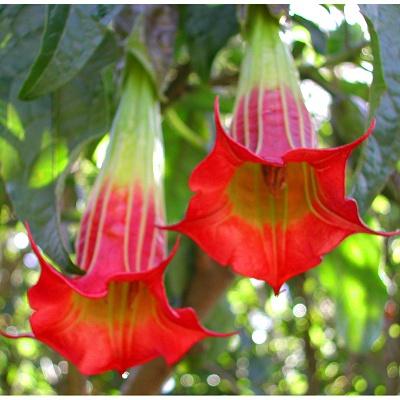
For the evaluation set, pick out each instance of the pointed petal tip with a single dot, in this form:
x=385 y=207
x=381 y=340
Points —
x=216 y=104
x=211 y=333
x=223 y=335
x=362 y=138
x=25 y=335
x=277 y=289
x=364 y=228
x=369 y=131
x=386 y=234
x=162 y=227
x=164 y=264
x=372 y=125
x=220 y=130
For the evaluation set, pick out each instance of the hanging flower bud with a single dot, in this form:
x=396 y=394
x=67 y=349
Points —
x=267 y=202
x=117 y=315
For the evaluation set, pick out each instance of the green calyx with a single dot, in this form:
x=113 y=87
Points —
x=135 y=152
x=136 y=46
x=267 y=63
x=153 y=22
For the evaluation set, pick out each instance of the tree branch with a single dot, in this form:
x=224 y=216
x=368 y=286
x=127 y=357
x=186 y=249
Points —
x=75 y=382
x=307 y=71
x=346 y=55
x=314 y=386
x=178 y=85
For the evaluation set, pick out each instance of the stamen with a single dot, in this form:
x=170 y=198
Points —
x=274 y=178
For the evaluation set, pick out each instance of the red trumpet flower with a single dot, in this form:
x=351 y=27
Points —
x=267 y=202
x=117 y=315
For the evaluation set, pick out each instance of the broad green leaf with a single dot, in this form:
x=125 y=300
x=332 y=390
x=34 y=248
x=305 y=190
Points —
x=208 y=28
x=350 y=275
x=70 y=38
x=382 y=151
x=50 y=164
x=48 y=132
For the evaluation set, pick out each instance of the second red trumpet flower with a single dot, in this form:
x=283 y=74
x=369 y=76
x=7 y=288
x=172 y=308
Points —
x=267 y=201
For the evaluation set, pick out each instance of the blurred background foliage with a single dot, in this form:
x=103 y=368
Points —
x=335 y=329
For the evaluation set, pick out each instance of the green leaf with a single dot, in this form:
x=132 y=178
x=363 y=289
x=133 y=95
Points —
x=345 y=37
x=382 y=151
x=318 y=38
x=70 y=38
x=208 y=28
x=350 y=275
x=48 y=133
